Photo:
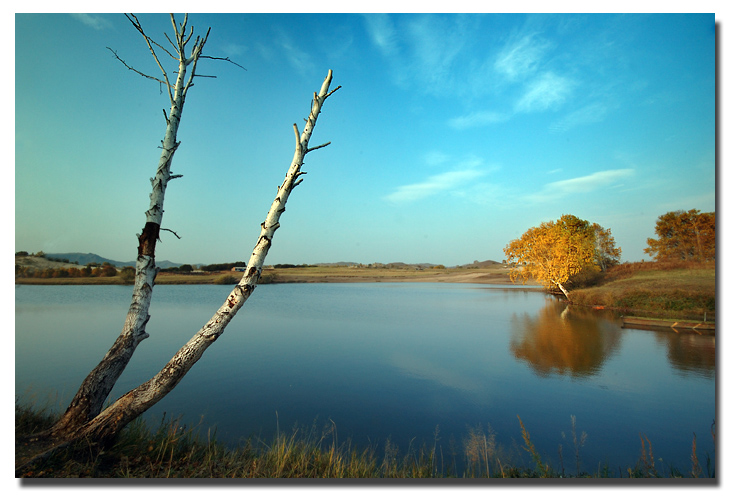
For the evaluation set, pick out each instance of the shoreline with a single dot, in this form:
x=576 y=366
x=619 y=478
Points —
x=310 y=275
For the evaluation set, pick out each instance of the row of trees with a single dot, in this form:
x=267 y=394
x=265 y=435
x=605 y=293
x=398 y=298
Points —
x=105 y=270
x=557 y=251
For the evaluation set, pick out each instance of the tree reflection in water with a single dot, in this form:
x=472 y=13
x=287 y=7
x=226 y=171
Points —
x=564 y=340
x=688 y=351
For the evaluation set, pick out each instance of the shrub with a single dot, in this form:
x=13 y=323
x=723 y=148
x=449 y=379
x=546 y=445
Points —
x=127 y=274
x=226 y=280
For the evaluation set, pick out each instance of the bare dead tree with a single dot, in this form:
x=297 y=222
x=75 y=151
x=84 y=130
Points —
x=89 y=399
x=83 y=418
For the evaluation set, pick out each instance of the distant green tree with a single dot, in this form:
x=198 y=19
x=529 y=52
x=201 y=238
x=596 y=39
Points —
x=186 y=268
x=127 y=274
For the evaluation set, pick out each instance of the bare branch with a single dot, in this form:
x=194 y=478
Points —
x=317 y=147
x=171 y=231
x=195 y=55
x=147 y=39
x=227 y=59
x=298 y=138
x=333 y=91
x=135 y=70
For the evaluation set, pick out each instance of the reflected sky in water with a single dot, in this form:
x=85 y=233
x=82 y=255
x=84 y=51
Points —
x=390 y=361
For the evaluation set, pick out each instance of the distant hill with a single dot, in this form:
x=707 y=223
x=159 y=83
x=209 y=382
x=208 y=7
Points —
x=85 y=258
x=378 y=265
x=482 y=264
x=339 y=263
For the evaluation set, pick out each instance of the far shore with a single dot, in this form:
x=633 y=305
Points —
x=338 y=274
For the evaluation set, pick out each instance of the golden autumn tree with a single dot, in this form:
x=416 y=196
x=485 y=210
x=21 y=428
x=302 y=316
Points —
x=553 y=252
x=683 y=235
x=607 y=254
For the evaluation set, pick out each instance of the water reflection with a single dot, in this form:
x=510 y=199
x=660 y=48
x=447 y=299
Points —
x=565 y=341
x=689 y=352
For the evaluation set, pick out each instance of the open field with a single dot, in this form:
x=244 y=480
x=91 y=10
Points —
x=329 y=274
x=493 y=275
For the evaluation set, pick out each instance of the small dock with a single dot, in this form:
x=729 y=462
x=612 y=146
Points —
x=678 y=325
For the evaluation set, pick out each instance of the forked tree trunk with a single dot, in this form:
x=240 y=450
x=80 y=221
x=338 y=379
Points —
x=94 y=390
x=129 y=406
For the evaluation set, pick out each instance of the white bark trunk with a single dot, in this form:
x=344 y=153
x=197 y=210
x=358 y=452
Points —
x=565 y=292
x=138 y=400
x=90 y=398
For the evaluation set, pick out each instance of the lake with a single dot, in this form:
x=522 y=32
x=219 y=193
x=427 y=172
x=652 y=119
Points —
x=416 y=363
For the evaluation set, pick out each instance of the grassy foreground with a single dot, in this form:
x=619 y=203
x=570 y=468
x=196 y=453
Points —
x=175 y=451
x=668 y=290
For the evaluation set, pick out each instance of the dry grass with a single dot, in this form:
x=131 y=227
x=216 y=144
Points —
x=177 y=451
x=672 y=290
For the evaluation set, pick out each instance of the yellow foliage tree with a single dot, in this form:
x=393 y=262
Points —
x=684 y=235
x=553 y=252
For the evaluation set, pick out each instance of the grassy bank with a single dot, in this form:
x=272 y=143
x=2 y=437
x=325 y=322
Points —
x=668 y=290
x=175 y=451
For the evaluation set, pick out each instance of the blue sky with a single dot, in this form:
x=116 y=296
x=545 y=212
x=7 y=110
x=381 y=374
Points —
x=451 y=134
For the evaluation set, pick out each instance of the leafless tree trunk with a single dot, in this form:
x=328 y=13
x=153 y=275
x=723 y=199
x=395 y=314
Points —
x=138 y=400
x=89 y=399
x=84 y=418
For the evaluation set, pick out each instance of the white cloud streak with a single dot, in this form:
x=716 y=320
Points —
x=433 y=185
x=581 y=185
x=477 y=118
x=96 y=22
x=300 y=60
x=548 y=91
x=520 y=58
x=592 y=113
x=382 y=33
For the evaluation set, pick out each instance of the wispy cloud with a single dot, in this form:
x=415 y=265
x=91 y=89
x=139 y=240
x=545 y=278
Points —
x=433 y=185
x=382 y=33
x=436 y=158
x=96 y=22
x=520 y=57
x=546 y=92
x=436 y=44
x=591 y=113
x=300 y=60
x=477 y=118
x=429 y=53
x=581 y=185
x=233 y=49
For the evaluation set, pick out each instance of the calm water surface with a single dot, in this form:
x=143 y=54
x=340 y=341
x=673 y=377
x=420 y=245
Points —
x=392 y=361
